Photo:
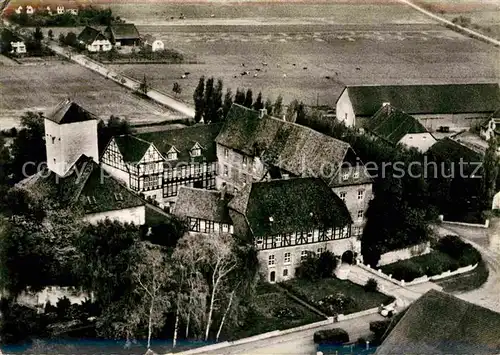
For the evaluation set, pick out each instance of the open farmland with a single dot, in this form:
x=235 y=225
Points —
x=347 y=54
x=40 y=87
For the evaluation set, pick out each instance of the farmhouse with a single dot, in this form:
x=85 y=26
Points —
x=206 y=211
x=157 y=164
x=17 y=44
x=491 y=126
x=123 y=34
x=253 y=146
x=73 y=175
x=420 y=101
x=60 y=9
x=439 y=323
x=94 y=40
x=397 y=127
x=19 y=10
x=153 y=44
x=30 y=10
x=288 y=219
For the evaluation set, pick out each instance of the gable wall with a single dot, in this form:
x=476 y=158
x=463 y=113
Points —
x=344 y=109
x=136 y=215
x=421 y=141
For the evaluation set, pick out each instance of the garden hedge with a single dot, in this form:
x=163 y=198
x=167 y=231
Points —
x=331 y=336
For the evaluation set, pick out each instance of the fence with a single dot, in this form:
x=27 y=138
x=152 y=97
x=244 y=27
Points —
x=421 y=279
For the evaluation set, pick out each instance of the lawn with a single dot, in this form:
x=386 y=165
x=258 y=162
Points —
x=354 y=298
x=273 y=310
x=465 y=282
x=42 y=86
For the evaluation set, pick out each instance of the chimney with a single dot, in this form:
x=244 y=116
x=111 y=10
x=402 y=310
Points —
x=262 y=112
x=223 y=191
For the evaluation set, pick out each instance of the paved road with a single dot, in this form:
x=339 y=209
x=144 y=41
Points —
x=300 y=342
x=487 y=241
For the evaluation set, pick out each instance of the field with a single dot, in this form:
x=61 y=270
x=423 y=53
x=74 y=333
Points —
x=41 y=87
x=347 y=54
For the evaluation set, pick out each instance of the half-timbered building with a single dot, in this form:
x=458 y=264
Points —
x=157 y=164
x=253 y=146
x=205 y=211
x=288 y=219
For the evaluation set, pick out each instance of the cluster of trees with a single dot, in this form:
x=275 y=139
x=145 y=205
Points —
x=87 y=16
x=70 y=39
x=317 y=266
x=33 y=43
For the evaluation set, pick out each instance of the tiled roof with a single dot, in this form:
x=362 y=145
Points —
x=426 y=99
x=392 y=124
x=438 y=323
x=131 y=147
x=90 y=34
x=183 y=140
x=124 y=31
x=296 y=204
x=70 y=112
x=83 y=180
x=296 y=149
x=448 y=149
x=203 y=204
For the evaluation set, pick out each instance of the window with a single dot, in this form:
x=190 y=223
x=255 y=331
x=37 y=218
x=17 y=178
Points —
x=196 y=152
x=172 y=156
x=244 y=178
x=320 y=250
x=258 y=241
x=303 y=255
x=271 y=260
x=287 y=258
x=53 y=140
x=356 y=174
x=360 y=214
x=342 y=196
x=345 y=176
x=226 y=153
x=226 y=171
x=361 y=194
x=245 y=161
x=285 y=272
x=358 y=231
x=150 y=182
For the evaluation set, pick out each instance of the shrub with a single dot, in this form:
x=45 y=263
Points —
x=469 y=256
x=371 y=285
x=379 y=327
x=331 y=336
x=451 y=245
x=326 y=264
x=335 y=303
x=407 y=270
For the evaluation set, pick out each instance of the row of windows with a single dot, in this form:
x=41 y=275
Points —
x=152 y=182
x=299 y=238
x=195 y=152
x=203 y=226
x=172 y=188
x=189 y=171
x=361 y=195
x=287 y=257
x=355 y=175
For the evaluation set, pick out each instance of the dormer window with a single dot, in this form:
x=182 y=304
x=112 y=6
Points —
x=91 y=200
x=118 y=197
x=172 y=154
x=196 y=150
x=356 y=174
x=245 y=160
x=345 y=177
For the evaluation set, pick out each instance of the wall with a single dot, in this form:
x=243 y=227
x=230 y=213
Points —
x=120 y=175
x=338 y=247
x=403 y=254
x=95 y=46
x=496 y=201
x=238 y=174
x=157 y=46
x=343 y=108
x=421 y=141
x=136 y=215
x=353 y=204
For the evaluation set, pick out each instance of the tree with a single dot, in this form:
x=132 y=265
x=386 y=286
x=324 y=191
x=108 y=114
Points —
x=152 y=273
x=62 y=39
x=228 y=102
x=326 y=264
x=198 y=98
x=209 y=104
x=216 y=114
x=177 y=89
x=491 y=164
x=51 y=35
x=291 y=111
x=269 y=107
x=115 y=126
x=7 y=37
x=248 y=99
x=239 y=97
x=278 y=107
x=38 y=35
x=300 y=112
x=71 y=39
x=258 y=104
x=144 y=86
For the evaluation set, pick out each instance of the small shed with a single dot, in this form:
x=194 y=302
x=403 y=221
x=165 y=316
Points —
x=153 y=43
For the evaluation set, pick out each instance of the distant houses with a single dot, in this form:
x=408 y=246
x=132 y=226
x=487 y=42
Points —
x=94 y=40
x=420 y=101
x=153 y=44
x=123 y=34
x=491 y=127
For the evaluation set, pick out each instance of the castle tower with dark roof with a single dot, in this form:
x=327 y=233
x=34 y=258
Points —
x=70 y=131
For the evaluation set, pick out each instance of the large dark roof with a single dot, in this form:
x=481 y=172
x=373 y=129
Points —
x=70 y=112
x=449 y=150
x=82 y=180
x=426 y=99
x=296 y=149
x=123 y=31
x=90 y=34
x=131 y=147
x=392 y=124
x=184 y=139
x=296 y=204
x=438 y=323
x=203 y=204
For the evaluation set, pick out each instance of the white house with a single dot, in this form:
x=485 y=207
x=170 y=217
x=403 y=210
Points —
x=153 y=43
x=94 y=40
x=72 y=11
x=49 y=10
x=30 y=10
x=19 y=10
x=394 y=126
x=421 y=101
x=18 y=45
x=60 y=9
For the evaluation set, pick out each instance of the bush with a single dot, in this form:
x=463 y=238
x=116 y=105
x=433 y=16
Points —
x=335 y=303
x=371 y=285
x=406 y=270
x=317 y=267
x=451 y=245
x=326 y=264
x=331 y=336
x=379 y=327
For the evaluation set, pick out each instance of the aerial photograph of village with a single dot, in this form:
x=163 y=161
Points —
x=316 y=177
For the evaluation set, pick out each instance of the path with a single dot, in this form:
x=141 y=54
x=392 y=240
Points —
x=300 y=342
x=444 y=21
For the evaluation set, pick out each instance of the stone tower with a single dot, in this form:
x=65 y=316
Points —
x=70 y=131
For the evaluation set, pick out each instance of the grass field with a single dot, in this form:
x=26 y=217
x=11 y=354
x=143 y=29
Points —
x=359 y=54
x=41 y=87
